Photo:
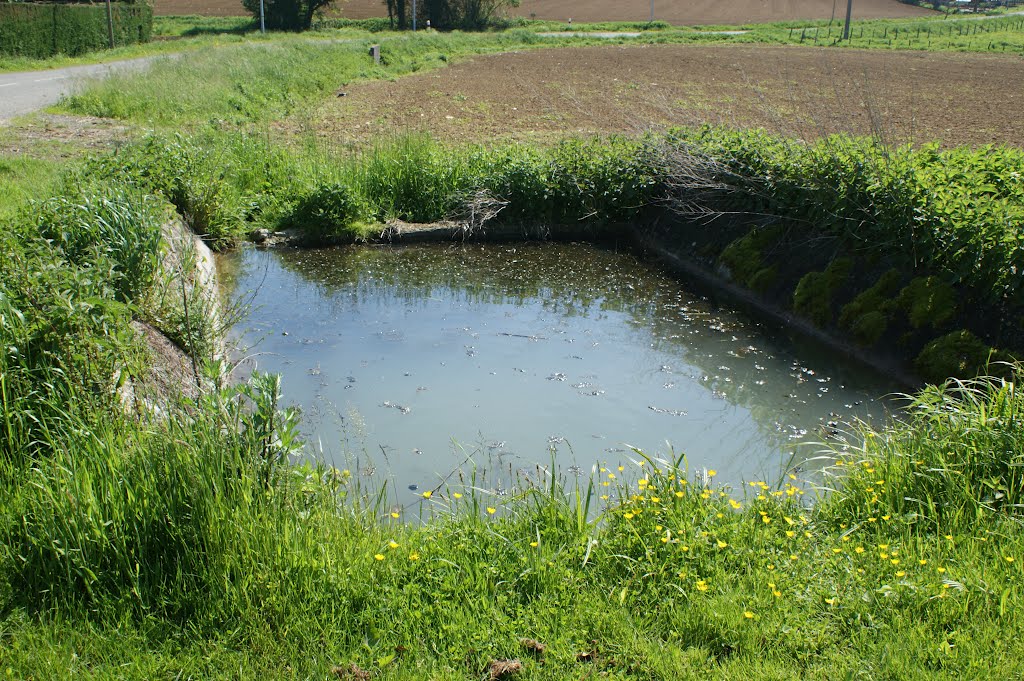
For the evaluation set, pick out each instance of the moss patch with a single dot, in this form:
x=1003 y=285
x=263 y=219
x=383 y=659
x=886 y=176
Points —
x=745 y=258
x=878 y=298
x=869 y=327
x=928 y=301
x=763 y=280
x=958 y=354
x=814 y=292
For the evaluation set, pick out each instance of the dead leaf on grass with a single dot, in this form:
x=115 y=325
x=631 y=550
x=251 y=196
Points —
x=504 y=669
x=350 y=671
x=588 y=655
x=534 y=646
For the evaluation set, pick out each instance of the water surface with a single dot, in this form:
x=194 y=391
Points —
x=416 y=360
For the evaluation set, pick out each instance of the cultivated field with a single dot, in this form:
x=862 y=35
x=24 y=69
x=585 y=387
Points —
x=680 y=12
x=803 y=92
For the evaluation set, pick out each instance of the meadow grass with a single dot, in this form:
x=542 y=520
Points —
x=23 y=179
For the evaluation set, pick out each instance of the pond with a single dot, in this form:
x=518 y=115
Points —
x=412 y=362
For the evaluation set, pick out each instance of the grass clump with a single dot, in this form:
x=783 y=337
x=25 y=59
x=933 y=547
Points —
x=114 y=228
x=332 y=213
x=955 y=463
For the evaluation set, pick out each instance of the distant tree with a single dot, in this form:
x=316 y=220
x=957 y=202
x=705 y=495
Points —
x=397 y=13
x=446 y=15
x=286 y=15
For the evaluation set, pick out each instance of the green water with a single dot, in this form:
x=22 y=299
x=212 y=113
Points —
x=412 y=362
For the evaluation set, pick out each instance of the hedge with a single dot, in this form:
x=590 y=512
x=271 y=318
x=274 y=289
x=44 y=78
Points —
x=43 y=30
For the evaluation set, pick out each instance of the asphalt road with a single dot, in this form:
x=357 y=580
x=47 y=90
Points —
x=27 y=91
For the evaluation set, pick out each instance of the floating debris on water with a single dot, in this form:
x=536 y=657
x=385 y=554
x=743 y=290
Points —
x=399 y=407
x=670 y=412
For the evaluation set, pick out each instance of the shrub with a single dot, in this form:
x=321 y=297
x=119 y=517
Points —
x=286 y=15
x=957 y=354
x=330 y=213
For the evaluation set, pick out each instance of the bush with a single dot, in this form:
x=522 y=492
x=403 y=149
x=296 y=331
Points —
x=330 y=213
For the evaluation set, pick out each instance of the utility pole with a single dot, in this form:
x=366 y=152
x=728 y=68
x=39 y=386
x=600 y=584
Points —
x=849 y=13
x=413 y=13
x=263 y=22
x=110 y=24
x=652 y=11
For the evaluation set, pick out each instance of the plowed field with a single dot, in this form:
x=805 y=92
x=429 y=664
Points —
x=802 y=92
x=679 y=12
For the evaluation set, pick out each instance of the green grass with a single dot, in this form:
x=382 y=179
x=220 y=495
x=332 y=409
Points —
x=997 y=35
x=23 y=179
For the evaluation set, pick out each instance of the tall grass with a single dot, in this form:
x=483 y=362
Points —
x=956 y=461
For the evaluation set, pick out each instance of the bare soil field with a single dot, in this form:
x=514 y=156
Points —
x=800 y=92
x=678 y=12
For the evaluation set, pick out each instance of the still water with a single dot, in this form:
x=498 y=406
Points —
x=419 y=360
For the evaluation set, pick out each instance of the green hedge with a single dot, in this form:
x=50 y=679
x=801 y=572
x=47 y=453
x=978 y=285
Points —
x=43 y=30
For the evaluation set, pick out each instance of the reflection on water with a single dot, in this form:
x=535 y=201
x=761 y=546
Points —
x=414 y=358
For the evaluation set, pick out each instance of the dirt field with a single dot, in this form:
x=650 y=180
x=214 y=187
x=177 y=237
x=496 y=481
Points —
x=679 y=12
x=802 y=92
